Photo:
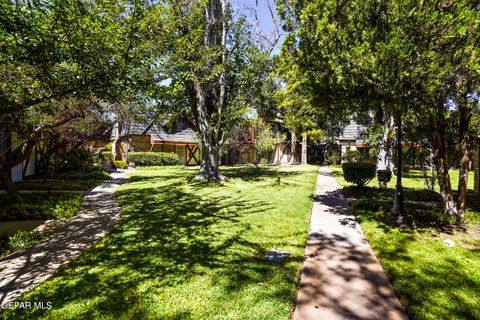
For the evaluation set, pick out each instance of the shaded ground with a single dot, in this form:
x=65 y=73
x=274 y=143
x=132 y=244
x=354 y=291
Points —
x=190 y=250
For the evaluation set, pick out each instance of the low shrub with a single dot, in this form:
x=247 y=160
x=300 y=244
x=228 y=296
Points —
x=80 y=175
x=263 y=162
x=333 y=159
x=120 y=164
x=79 y=159
x=22 y=239
x=107 y=161
x=153 y=158
x=107 y=155
x=384 y=177
x=108 y=146
x=64 y=185
x=359 y=173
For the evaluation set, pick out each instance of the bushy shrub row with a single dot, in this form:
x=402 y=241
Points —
x=153 y=158
x=359 y=173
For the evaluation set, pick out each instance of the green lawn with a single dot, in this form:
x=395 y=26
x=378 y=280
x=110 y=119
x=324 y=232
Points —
x=186 y=249
x=433 y=281
x=73 y=180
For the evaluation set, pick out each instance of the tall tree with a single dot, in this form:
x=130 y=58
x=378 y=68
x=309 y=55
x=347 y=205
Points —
x=60 y=60
x=212 y=71
x=398 y=54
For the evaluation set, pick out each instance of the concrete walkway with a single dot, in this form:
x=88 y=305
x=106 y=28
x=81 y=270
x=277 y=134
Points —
x=341 y=276
x=23 y=270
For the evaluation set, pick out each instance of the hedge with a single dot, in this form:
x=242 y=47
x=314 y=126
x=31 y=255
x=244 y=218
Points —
x=359 y=173
x=120 y=164
x=384 y=177
x=153 y=158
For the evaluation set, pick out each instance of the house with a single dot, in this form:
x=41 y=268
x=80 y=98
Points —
x=11 y=141
x=180 y=137
x=352 y=137
x=168 y=136
x=240 y=149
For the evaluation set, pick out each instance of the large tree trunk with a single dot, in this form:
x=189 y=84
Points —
x=304 y=146
x=209 y=165
x=210 y=95
x=465 y=116
x=440 y=155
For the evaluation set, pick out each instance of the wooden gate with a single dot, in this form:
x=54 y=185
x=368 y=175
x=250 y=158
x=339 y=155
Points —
x=193 y=155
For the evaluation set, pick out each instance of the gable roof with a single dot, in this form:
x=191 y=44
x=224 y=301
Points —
x=181 y=131
x=353 y=132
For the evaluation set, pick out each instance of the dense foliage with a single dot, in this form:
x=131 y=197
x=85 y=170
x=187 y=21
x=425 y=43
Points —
x=120 y=164
x=384 y=177
x=359 y=173
x=402 y=57
x=153 y=158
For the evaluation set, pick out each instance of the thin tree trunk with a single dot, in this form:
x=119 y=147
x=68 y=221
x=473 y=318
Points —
x=465 y=116
x=384 y=158
x=116 y=147
x=476 y=168
x=440 y=155
x=304 y=146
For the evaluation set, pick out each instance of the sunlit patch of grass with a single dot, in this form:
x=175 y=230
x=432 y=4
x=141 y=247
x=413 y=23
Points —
x=433 y=280
x=187 y=249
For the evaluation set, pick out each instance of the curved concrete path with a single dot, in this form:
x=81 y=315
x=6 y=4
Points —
x=23 y=270
x=341 y=276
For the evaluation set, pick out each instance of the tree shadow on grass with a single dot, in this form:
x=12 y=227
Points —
x=249 y=173
x=430 y=284
x=432 y=280
x=168 y=234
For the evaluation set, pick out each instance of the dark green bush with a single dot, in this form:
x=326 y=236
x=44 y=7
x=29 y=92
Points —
x=384 y=177
x=79 y=159
x=359 y=173
x=120 y=164
x=153 y=158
